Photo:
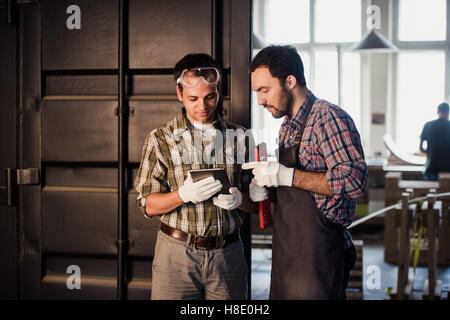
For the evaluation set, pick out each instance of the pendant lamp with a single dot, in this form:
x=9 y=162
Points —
x=374 y=42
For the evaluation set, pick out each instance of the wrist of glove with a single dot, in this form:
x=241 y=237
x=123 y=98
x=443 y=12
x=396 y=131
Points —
x=257 y=193
x=229 y=201
x=198 y=191
x=285 y=176
x=270 y=173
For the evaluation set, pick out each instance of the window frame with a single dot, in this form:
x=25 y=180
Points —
x=340 y=47
x=411 y=46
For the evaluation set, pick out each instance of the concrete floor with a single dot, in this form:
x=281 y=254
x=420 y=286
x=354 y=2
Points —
x=373 y=255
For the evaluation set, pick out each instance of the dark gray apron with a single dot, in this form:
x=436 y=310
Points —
x=308 y=254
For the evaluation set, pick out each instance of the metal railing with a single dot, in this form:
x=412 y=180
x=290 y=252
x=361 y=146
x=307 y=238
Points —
x=394 y=206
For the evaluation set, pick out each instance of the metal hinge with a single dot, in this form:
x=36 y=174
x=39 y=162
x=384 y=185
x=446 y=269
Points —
x=27 y=176
x=130 y=112
x=13 y=178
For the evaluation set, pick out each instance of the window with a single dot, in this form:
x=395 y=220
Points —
x=351 y=86
x=422 y=20
x=420 y=89
x=337 y=21
x=287 y=21
x=326 y=75
x=420 y=68
x=326 y=81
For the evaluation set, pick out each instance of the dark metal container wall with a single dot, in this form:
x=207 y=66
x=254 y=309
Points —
x=78 y=103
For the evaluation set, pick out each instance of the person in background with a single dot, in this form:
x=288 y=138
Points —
x=437 y=135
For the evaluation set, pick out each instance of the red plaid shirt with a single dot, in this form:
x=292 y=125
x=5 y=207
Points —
x=330 y=144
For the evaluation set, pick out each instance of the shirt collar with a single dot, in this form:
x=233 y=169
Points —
x=182 y=122
x=297 y=118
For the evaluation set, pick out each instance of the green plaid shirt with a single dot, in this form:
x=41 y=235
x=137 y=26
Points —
x=172 y=150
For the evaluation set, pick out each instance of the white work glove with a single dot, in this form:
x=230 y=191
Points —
x=270 y=173
x=258 y=194
x=229 y=201
x=198 y=191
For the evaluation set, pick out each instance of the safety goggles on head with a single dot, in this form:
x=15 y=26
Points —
x=190 y=77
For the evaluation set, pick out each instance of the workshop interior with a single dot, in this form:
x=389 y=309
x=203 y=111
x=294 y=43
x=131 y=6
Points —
x=83 y=82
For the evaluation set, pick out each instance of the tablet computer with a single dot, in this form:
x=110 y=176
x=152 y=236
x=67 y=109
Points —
x=217 y=173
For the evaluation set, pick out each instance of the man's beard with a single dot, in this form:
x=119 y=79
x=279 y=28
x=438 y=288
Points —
x=285 y=102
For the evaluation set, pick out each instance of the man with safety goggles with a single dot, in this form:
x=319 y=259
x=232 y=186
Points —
x=190 y=78
x=198 y=253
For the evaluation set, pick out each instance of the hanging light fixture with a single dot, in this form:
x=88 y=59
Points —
x=374 y=42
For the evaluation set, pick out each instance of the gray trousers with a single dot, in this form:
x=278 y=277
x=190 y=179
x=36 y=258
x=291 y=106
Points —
x=181 y=271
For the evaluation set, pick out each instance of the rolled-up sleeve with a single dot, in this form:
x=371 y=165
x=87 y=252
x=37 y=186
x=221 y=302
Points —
x=152 y=173
x=344 y=156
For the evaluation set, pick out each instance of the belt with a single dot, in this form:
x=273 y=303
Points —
x=198 y=241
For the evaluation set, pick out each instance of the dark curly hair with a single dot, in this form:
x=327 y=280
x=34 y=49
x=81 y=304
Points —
x=282 y=61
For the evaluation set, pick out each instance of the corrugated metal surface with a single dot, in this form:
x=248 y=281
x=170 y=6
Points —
x=8 y=215
x=69 y=129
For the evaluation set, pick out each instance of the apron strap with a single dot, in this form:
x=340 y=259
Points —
x=298 y=137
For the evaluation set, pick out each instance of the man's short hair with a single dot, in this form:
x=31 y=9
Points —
x=195 y=60
x=443 y=107
x=282 y=61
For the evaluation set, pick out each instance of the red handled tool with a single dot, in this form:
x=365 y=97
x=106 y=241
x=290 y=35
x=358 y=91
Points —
x=265 y=217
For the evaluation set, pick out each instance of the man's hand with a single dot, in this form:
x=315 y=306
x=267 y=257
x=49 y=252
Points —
x=270 y=173
x=198 y=191
x=229 y=201
x=257 y=194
